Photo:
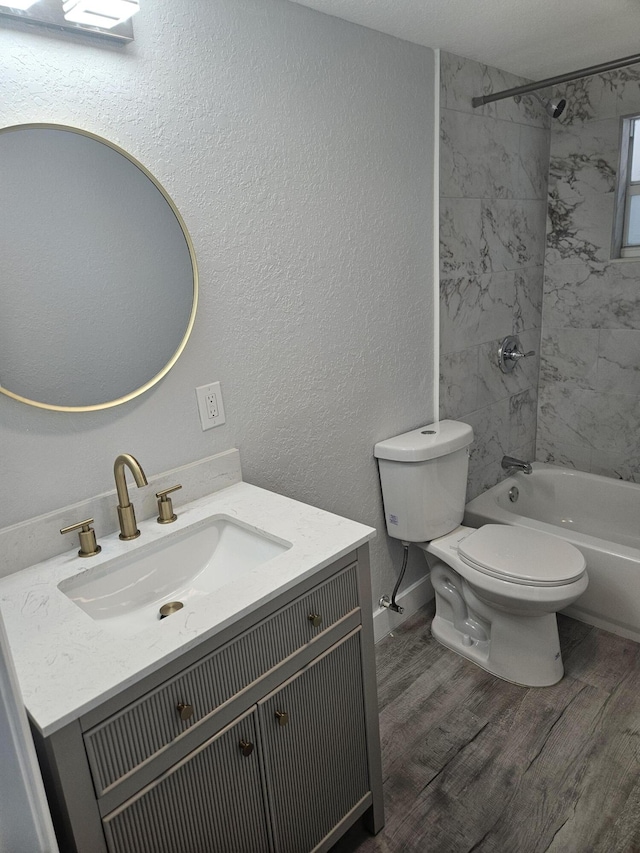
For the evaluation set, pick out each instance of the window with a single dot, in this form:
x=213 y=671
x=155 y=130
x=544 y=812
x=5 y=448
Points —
x=627 y=230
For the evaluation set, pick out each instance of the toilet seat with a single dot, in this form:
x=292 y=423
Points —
x=521 y=556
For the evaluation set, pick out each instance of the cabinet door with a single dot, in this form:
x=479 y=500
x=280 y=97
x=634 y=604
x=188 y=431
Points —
x=211 y=801
x=315 y=747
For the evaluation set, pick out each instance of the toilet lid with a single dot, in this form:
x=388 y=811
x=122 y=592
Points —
x=523 y=556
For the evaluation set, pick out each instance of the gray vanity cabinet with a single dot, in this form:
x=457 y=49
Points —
x=279 y=751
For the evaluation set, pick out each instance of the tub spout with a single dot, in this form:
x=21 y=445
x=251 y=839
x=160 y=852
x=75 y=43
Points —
x=509 y=463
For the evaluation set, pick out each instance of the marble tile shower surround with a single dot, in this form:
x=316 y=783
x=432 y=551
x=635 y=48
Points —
x=493 y=189
x=589 y=387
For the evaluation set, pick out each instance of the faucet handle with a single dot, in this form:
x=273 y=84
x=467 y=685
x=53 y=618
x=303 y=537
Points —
x=88 y=545
x=510 y=353
x=165 y=508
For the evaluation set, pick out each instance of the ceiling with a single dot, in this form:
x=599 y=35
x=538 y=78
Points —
x=531 y=38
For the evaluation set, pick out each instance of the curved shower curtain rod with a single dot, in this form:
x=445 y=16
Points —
x=561 y=78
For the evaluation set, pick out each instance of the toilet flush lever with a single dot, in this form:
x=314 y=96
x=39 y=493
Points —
x=510 y=353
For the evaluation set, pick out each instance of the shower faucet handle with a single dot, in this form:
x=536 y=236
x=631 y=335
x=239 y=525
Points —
x=510 y=352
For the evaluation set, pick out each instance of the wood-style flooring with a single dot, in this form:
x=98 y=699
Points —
x=472 y=763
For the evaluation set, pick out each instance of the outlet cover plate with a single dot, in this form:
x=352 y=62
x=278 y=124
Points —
x=210 y=405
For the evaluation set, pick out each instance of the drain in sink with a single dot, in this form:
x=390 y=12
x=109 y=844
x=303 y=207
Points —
x=171 y=607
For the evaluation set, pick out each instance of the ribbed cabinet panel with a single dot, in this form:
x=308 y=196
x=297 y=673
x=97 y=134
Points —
x=212 y=801
x=124 y=741
x=316 y=765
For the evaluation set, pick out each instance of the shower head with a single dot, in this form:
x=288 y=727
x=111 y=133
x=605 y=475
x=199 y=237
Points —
x=554 y=107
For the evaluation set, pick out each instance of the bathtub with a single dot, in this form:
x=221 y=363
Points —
x=599 y=515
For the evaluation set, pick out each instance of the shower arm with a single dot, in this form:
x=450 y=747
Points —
x=552 y=81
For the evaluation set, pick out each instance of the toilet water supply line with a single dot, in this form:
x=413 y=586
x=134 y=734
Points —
x=392 y=604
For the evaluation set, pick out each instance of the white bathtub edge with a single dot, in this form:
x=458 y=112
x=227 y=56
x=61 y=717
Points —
x=604 y=624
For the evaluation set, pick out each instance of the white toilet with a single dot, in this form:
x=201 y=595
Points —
x=497 y=588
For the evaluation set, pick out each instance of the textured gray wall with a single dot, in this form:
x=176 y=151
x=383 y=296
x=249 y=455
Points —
x=299 y=149
x=589 y=404
x=493 y=184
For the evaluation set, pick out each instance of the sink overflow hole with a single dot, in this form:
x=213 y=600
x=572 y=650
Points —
x=171 y=607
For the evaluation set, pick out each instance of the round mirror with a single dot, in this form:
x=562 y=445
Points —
x=99 y=279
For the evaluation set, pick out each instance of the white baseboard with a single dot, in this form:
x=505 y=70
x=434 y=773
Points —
x=411 y=599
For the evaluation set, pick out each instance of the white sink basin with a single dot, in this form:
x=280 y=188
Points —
x=126 y=593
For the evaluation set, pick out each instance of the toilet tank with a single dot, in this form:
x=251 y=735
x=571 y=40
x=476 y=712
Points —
x=423 y=474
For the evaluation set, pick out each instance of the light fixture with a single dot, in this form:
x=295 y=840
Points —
x=99 y=13
x=22 y=5
x=103 y=19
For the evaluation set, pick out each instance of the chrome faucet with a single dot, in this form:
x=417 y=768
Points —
x=126 y=513
x=509 y=463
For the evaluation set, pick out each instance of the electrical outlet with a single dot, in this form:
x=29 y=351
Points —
x=210 y=405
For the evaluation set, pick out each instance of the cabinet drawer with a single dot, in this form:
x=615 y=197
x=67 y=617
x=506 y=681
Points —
x=133 y=736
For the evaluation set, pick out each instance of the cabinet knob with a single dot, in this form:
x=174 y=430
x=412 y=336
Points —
x=246 y=747
x=315 y=619
x=282 y=717
x=185 y=710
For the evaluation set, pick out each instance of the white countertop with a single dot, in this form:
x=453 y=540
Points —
x=69 y=663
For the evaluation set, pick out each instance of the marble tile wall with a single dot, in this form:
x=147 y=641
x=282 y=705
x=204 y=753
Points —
x=493 y=190
x=589 y=386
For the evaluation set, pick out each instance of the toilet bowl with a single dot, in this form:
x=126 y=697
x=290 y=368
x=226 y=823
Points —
x=497 y=588
x=497 y=591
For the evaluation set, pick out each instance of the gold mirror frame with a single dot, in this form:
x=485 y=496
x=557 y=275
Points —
x=176 y=355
